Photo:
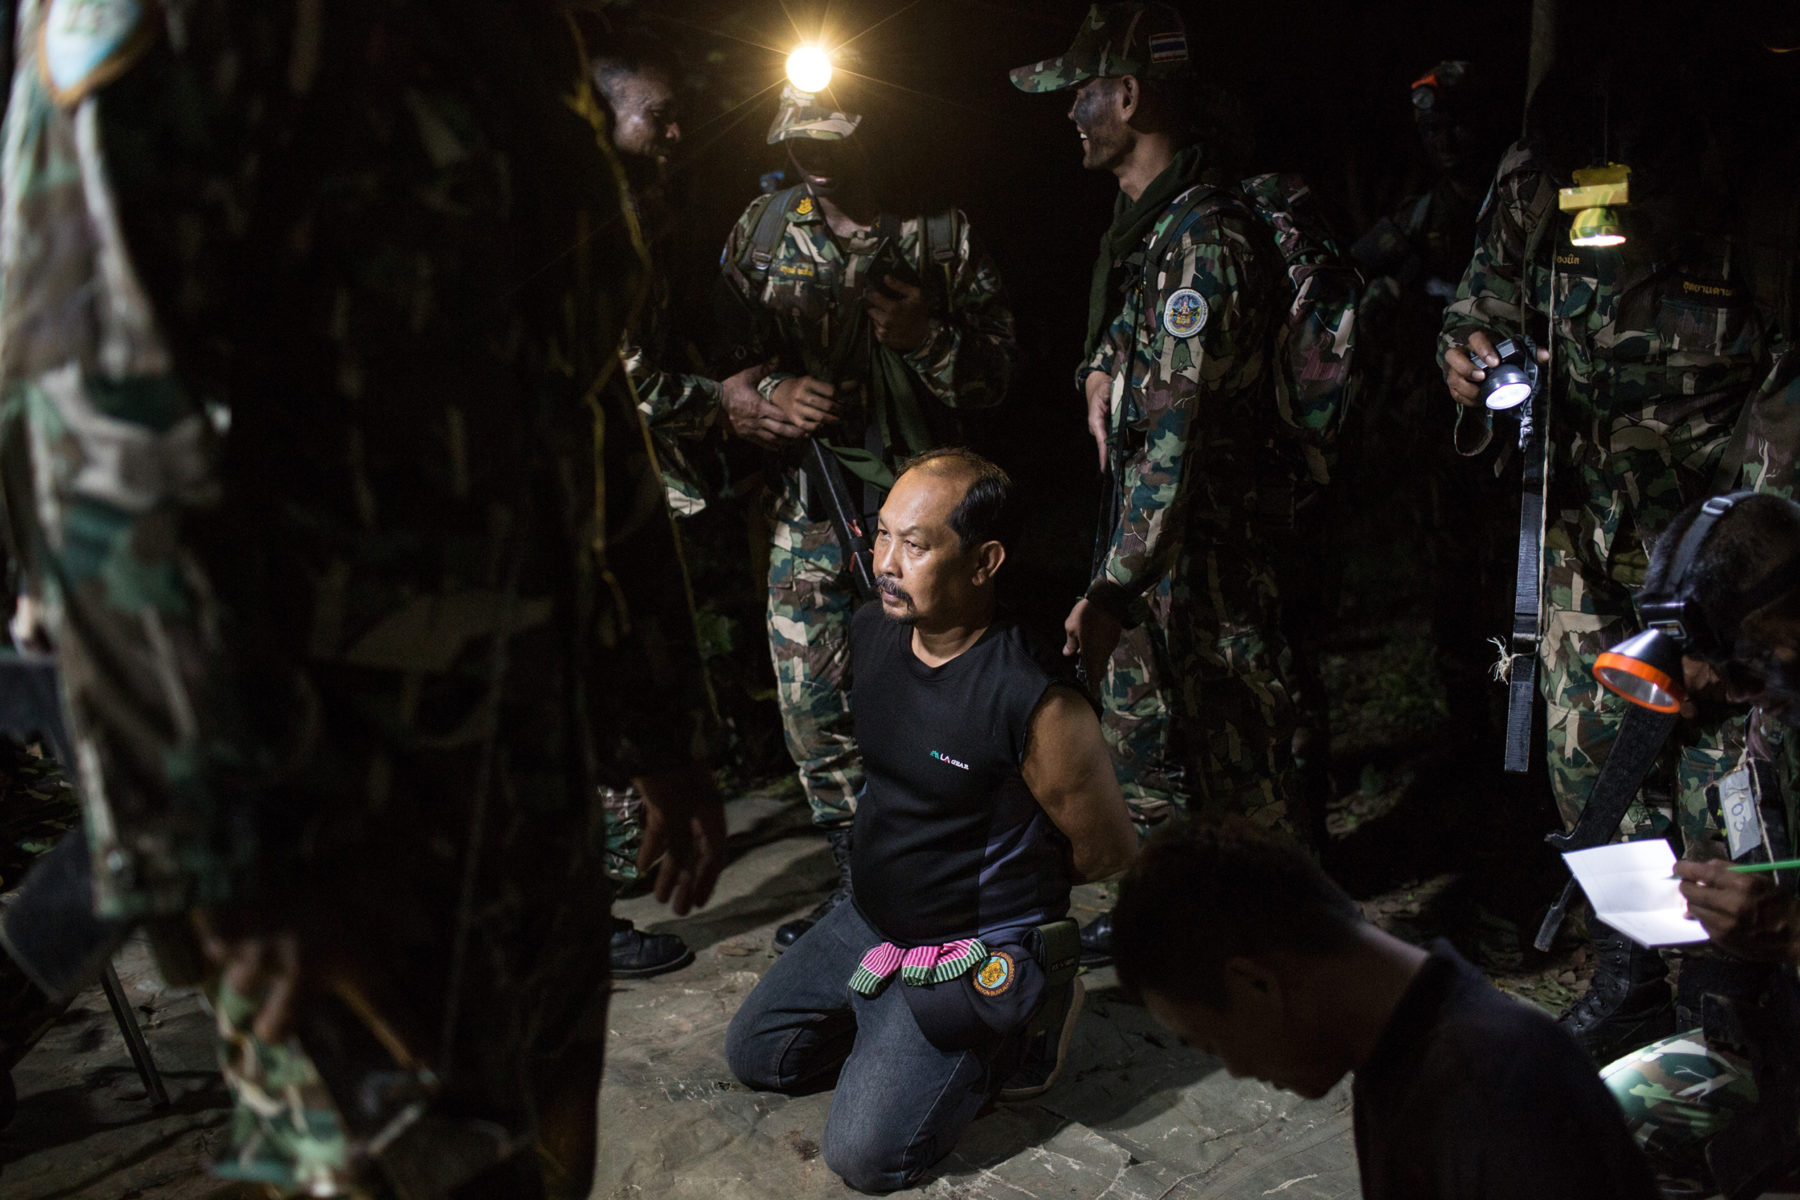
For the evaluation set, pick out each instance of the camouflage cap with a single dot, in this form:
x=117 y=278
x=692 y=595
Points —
x=801 y=115
x=1135 y=38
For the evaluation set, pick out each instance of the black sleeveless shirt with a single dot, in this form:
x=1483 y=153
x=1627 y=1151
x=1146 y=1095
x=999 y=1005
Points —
x=949 y=842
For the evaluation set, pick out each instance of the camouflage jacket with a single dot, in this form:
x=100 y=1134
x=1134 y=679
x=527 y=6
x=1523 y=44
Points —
x=1656 y=353
x=811 y=296
x=1193 y=404
x=302 y=327
x=680 y=406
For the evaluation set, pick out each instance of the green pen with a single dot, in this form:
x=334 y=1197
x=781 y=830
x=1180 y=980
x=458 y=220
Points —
x=1786 y=864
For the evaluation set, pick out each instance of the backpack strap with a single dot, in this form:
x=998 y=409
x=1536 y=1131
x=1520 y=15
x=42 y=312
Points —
x=1189 y=201
x=759 y=251
x=939 y=233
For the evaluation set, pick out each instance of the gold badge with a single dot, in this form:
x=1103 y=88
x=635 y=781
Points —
x=995 y=975
x=804 y=208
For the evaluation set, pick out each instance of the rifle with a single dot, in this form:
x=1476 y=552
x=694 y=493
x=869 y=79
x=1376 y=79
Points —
x=1641 y=737
x=826 y=474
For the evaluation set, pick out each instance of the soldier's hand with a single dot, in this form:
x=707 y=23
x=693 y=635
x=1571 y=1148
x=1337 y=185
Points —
x=808 y=404
x=1466 y=366
x=750 y=416
x=1099 y=410
x=1093 y=633
x=684 y=828
x=1745 y=914
x=898 y=314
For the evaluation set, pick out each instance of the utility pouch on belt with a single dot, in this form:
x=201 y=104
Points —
x=1004 y=992
x=1057 y=948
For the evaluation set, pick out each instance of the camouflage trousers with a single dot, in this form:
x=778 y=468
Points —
x=1198 y=726
x=1589 y=609
x=811 y=600
x=624 y=832
x=448 y=888
x=1676 y=1094
x=37 y=809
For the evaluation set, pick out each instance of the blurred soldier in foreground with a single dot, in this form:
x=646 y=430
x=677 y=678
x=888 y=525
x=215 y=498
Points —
x=1241 y=945
x=989 y=793
x=636 y=80
x=1717 y=1105
x=355 y=555
x=881 y=328
x=1668 y=378
x=1179 y=620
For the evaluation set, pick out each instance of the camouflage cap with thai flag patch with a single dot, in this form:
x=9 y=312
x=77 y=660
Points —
x=1146 y=40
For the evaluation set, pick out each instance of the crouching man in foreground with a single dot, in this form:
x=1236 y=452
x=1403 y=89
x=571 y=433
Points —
x=988 y=794
x=1242 y=946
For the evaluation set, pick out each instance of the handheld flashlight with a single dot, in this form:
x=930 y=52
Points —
x=1515 y=380
x=809 y=68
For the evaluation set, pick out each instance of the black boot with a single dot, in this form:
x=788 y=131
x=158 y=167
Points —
x=1096 y=942
x=790 y=932
x=1627 y=1004
x=637 y=955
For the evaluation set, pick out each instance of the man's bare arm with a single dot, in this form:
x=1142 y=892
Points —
x=1068 y=769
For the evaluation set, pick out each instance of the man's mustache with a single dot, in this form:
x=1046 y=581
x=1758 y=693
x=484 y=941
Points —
x=887 y=587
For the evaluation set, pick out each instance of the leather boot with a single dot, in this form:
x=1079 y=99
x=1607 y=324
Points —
x=1627 y=1003
x=1096 y=942
x=790 y=932
x=639 y=955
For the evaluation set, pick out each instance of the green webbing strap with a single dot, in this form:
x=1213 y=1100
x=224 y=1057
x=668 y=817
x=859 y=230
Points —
x=939 y=233
x=770 y=223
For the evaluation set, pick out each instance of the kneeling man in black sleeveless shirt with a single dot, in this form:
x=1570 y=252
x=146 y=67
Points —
x=988 y=793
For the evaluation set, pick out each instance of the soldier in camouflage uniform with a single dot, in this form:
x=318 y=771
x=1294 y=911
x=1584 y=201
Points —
x=355 y=555
x=878 y=368
x=1738 y=1074
x=1666 y=383
x=1179 y=621
x=635 y=78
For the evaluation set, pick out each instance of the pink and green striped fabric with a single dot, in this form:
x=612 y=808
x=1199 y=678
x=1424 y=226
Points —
x=919 y=967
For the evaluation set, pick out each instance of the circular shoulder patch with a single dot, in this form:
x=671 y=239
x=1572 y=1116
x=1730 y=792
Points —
x=1184 y=313
x=996 y=974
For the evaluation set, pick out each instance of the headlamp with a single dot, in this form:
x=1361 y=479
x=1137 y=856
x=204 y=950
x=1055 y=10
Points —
x=1645 y=669
x=809 y=68
x=1514 y=381
x=1597 y=192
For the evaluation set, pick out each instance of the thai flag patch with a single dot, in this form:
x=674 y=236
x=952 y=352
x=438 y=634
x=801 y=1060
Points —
x=1168 y=47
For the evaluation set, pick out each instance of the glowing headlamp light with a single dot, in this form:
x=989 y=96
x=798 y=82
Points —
x=809 y=68
x=1597 y=192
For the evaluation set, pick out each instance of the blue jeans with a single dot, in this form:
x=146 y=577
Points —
x=901 y=1103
